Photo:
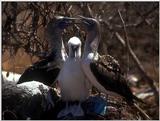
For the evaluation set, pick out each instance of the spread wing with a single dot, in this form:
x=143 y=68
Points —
x=107 y=72
x=47 y=70
x=44 y=71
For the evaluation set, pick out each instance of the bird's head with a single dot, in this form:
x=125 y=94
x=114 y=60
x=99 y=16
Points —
x=59 y=23
x=63 y=22
x=92 y=27
x=74 y=45
x=89 y=24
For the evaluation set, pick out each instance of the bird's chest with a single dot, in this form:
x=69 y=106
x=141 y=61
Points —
x=72 y=81
x=71 y=71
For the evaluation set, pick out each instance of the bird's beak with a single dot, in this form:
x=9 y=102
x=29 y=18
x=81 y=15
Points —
x=83 y=19
x=73 y=20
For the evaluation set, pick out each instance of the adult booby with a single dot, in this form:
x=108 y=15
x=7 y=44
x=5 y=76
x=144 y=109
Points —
x=47 y=69
x=103 y=72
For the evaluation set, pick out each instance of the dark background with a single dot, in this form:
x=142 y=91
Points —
x=24 y=41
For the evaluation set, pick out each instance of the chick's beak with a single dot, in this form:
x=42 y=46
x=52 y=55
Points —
x=74 y=49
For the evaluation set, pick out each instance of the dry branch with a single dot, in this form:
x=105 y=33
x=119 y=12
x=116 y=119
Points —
x=136 y=60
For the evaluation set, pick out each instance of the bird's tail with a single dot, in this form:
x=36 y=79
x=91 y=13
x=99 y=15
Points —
x=143 y=114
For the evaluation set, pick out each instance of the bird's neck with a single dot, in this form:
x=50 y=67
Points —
x=54 y=38
x=55 y=43
x=91 y=41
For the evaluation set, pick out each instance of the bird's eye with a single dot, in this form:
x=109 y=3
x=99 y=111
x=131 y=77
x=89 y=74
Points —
x=63 y=24
x=89 y=25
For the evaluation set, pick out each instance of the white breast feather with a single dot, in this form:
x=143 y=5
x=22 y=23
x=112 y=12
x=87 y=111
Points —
x=72 y=81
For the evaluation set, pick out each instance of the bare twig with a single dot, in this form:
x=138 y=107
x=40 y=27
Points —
x=143 y=16
x=90 y=10
x=7 y=112
x=136 y=60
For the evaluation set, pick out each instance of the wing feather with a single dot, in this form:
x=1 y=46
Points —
x=107 y=72
x=92 y=79
x=45 y=71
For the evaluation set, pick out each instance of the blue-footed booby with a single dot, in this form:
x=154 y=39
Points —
x=47 y=69
x=104 y=71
